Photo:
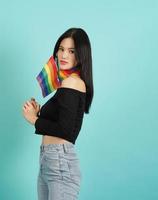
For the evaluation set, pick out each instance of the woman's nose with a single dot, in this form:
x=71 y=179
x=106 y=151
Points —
x=65 y=54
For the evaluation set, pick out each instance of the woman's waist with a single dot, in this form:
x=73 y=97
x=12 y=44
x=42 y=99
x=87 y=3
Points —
x=46 y=139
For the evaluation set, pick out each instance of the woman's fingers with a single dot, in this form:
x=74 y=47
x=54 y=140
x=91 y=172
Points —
x=23 y=108
x=34 y=104
x=39 y=106
x=33 y=99
x=27 y=104
x=31 y=103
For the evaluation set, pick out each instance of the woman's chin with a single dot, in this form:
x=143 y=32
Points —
x=64 y=67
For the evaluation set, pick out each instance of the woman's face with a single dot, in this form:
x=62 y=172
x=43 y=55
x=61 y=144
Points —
x=66 y=54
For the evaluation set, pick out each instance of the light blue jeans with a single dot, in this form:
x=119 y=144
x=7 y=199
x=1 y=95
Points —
x=59 y=173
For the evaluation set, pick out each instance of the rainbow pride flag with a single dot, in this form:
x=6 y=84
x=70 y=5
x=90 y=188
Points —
x=51 y=76
x=48 y=78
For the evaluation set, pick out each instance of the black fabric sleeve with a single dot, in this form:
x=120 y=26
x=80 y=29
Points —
x=68 y=103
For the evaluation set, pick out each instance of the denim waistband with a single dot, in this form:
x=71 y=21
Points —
x=64 y=146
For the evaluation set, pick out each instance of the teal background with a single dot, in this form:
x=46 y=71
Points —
x=117 y=145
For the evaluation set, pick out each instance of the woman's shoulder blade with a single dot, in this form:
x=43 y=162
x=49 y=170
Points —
x=74 y=83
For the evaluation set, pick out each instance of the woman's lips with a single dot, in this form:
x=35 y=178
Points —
x=63 y=62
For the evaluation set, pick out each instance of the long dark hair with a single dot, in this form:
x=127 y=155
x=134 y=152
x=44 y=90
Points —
x=84 y=59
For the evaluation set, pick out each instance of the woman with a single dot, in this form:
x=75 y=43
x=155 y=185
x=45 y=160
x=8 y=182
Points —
x=61 y=117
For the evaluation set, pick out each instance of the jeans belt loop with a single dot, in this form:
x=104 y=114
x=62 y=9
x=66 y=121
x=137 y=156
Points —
x=65 y=147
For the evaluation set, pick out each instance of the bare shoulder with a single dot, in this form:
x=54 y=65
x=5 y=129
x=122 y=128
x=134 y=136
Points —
x=74 y=83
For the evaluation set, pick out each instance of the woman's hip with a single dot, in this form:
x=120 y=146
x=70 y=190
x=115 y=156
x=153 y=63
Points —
x=60 y=162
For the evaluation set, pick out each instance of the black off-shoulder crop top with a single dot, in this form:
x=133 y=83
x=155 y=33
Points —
x=62 y=115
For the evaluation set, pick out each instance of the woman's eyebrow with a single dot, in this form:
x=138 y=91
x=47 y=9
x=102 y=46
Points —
x=68 y=48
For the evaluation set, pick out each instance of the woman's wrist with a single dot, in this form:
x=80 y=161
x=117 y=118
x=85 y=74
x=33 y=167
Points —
x=34 y=120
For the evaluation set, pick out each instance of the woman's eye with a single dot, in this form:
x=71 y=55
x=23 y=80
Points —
x=61 y=49
x=71 y=51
